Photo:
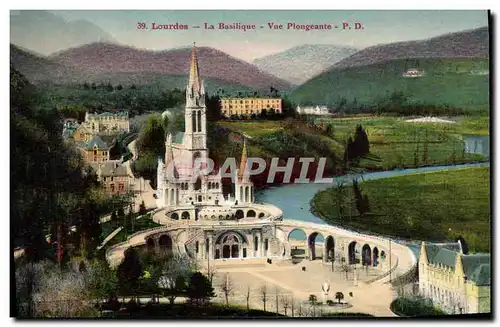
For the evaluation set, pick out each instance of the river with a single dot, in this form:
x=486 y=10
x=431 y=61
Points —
x=294 y=199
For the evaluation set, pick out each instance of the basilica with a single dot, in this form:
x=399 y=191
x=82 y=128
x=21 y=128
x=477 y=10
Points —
x=220 y=226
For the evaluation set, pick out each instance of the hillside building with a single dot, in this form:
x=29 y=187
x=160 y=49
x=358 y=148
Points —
x=113 y=176
x=95 y=150
x=249 y=106
x=107 y=123
x=311 y=110
x=455 y=282
x=413 y=72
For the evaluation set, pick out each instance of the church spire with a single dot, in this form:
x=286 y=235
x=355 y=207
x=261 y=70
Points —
x=194 y=84
x=243 y=162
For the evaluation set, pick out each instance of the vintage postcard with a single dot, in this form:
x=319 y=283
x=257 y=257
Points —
x=273 y=164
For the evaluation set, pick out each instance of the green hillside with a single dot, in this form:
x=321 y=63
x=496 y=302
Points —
x=453 y=83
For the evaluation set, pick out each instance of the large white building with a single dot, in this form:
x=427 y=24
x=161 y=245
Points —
x=311 y=110
x=187 y=196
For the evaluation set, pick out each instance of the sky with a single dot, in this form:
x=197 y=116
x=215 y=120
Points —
x=379 y=27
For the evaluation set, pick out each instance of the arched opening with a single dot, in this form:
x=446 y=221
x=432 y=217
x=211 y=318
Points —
x=297 y=234
x=314 y=238
x=231 y=243
x=366 y=255
x=239 y=214
x=217 y=254
x=297 y=239
x=197 y=185
x=251 y=214
x=226 y=251
x=261 y=215
x=199 y=120
x=375 y=256
x=255 y=243
x=197 y=247
x=185 y=215
x=175 y=216
x=352 y=253
x=193 y=121
x=150 y=244
x=165 y=242
x=382 y=255
x=330 y=248
x=247 y=194
x=235 y=251
x=212 y=217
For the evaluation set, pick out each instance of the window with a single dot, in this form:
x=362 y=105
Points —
x=266 y=244
x=112 y=187
x=111 y=178
x=121 y=187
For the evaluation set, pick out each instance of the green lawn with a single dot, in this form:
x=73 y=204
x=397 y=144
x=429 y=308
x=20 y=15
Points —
x=393 y=142
x=435 y=206
x=140 y=224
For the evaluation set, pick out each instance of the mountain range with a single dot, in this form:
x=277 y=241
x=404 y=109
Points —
x=300 y=63
x=103 y=62
x=449 y=63
x=463 y=44
x=53 y=33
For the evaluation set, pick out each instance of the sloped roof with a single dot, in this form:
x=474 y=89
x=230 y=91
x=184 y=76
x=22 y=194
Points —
x=432 y=250
x=96 y=141
x=477 y=268
x=113 y=169
x=445 y=257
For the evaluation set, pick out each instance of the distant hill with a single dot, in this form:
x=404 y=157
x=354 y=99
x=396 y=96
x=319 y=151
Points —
x=454 y=65
x=36 y=67
x=300 y=63
x=103 y=63
x=106 y=58
x=45 y=33
x=447 y=82
x=464 y=44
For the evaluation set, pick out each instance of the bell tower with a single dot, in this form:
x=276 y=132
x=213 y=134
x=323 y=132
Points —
x=195 y=136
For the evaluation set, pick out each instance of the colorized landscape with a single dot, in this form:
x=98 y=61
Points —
x=371 y=196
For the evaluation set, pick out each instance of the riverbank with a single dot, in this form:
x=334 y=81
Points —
x=435 y=207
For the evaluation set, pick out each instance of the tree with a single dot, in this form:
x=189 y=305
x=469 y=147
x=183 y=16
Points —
x=339 y=296
x=285 y=302
x=227 y=288
x=247 y=296
x=120 y=213
x=329 y=130
x=119 y=87
x=109 y=87
x=199 y=289
x=142 y=208
x=263 y=295
x=346 y=268
x=102 y=281
x=276 y=295
x=362 y=204
x=129 y=271
x=86 y=86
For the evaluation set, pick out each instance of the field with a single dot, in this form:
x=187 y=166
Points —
x=447 y=82
x=394 y=143
x=435 y=206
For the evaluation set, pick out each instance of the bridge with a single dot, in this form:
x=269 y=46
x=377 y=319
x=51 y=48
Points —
x=344 y=246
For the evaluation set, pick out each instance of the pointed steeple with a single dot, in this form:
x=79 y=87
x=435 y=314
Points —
x=194 y=84
x=243 y=162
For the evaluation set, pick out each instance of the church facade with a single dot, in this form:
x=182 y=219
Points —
x=221 y=226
